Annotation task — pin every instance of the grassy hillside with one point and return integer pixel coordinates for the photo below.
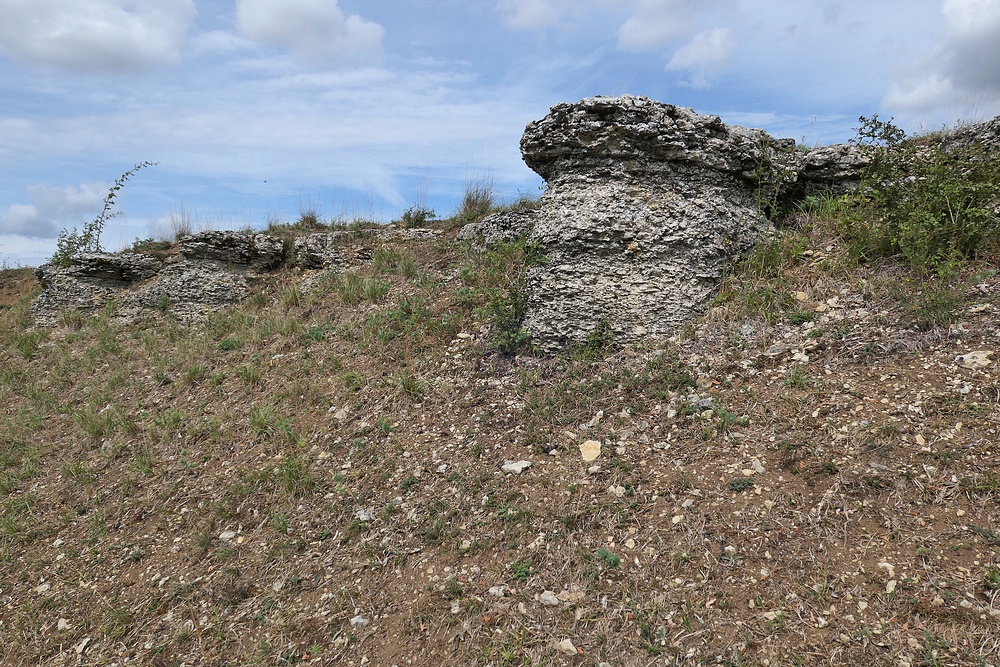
(806, 475)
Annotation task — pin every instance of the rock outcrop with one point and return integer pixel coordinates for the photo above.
(647, 205)
(204, 273)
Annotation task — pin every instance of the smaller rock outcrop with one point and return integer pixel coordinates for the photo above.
(205, 272)
(210, 270)
(497, 228)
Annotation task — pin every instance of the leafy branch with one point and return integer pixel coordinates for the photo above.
(71, 242)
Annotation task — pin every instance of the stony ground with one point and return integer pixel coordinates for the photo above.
(805, 476)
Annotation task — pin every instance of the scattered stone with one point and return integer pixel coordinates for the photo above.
(63, 624)
(364, 514)
(704, 405)
(227, 535)
(516, 467)
(360, 621)
(566, 647)
(82, 646)
(549, 599)
(590, 450)
(975, 360)
(43, 588)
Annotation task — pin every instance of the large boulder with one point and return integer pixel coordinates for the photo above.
(647, 205)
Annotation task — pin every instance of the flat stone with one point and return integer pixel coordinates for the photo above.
(977, 359)
(516, 467)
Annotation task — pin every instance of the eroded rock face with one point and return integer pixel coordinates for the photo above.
(208, 271)
(212, 270)
(647, 204)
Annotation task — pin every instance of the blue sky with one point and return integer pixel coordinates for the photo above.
(258, 109)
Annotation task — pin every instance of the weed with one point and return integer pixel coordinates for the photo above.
(410, 385)
(991, 580)
(71, 242)
(522, 570)
(795, 377)
(416, 216)
(740, 484)
(78, 472)
(230, 344)
(609, 558)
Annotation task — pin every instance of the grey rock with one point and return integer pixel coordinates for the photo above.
(213, 270)
(499, 228)
(985, 134)
(830, 170)
(234, 249)
(316, 251)
(190, 291)
(647, 205)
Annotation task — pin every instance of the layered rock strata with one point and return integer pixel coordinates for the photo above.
(202, 274)
(646, 206)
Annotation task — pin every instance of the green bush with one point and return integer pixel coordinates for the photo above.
(934, 206)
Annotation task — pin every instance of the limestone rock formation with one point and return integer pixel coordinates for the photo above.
(207, 271)
(647, 205)
(211, 270)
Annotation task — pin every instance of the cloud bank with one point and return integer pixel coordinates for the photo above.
(316, 30)
(111, 36)
(51, 209)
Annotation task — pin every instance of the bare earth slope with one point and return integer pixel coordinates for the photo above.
(806, 475)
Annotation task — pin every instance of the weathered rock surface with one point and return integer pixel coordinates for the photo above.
(212, 270)
(209, 271)
(647, 204)
(499, 228)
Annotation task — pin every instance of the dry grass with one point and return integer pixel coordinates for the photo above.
(314, 478)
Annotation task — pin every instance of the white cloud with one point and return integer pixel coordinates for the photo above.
(532, 14)
(654, 24)
(705, 56)
(310, 29)
(972, 46)
(961, 77)
(51, 209)
(96, 35)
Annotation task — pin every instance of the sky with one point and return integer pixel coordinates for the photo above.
(258, 110)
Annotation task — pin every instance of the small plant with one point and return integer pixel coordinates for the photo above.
(992, 579)
(599, 342)
(230, 344)
(416, 216)
(795, 377)
(71, 242)
(521, 570)
(740, 484)
(609, 558)
(411, 385)
(309, 220)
